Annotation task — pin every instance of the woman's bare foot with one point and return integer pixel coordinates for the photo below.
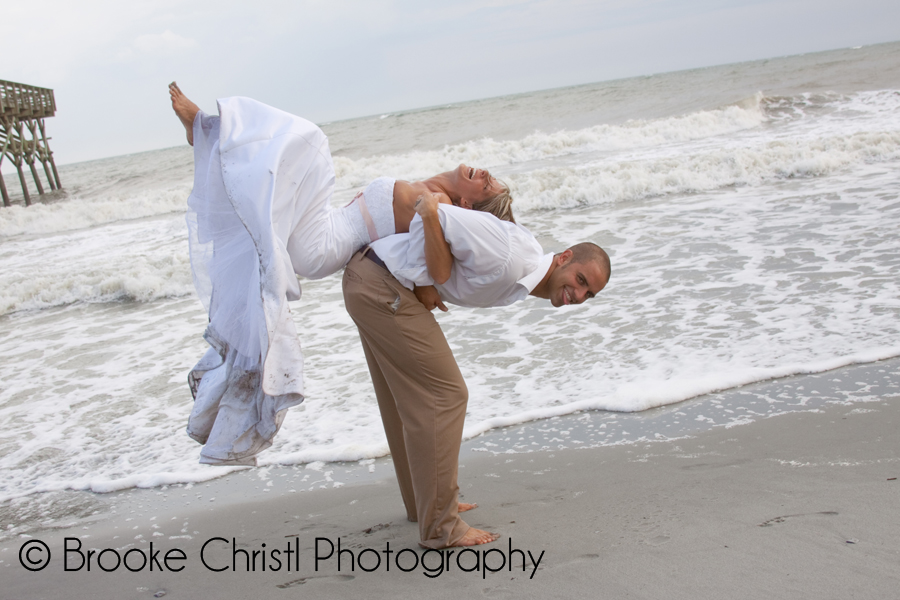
(185, 109)
(476, 537)
(464, 506)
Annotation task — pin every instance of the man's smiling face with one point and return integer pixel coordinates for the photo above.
(573, 282)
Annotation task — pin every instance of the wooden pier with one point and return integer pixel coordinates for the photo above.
(23, 137)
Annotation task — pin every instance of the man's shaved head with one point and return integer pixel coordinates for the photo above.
(591, 252)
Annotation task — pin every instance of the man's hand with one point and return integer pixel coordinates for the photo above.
(429, 296)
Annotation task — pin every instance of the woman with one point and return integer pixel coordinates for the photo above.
(258, 215)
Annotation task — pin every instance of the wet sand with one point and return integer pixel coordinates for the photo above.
(800, 505)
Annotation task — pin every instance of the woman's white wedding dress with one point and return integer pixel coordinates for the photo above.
(260, 213)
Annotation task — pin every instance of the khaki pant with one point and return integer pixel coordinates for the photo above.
(421, 395)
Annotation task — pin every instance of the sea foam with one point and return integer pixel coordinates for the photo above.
(139, 261)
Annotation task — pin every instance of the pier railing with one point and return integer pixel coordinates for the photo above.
(23, 136)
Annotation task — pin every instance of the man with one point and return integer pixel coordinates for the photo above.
(472, 259)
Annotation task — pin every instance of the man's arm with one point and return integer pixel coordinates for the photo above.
(488, 256)
(438, 258)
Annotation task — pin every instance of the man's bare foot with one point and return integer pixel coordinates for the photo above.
(464, 506)
(185, 109)
(476, 537)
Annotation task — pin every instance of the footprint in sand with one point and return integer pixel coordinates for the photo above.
(376, 528)
(658, 540)
(496, 592)
(782, 519)
(302, 580)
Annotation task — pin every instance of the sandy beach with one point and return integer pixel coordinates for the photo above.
(800, 505)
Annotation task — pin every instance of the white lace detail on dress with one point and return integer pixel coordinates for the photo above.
(380, 203)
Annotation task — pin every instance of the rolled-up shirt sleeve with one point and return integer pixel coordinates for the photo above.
(480, 248)
(490, 256)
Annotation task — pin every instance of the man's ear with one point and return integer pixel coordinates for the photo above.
(564, 257)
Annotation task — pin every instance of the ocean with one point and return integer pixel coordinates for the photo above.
(751, 212)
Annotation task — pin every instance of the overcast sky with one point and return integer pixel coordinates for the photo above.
(109, 61)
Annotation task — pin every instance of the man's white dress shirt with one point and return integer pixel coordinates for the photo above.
(495, 263)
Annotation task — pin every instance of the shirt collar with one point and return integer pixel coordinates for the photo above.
(531, 280)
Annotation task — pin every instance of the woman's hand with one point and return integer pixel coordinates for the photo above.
(429, 296)
(442, 198)
(427, 205)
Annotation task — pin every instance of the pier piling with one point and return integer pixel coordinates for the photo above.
(23, 136)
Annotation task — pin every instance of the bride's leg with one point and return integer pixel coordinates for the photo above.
(322, 239)
(185, 109)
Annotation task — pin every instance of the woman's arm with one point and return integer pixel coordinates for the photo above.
(437, 251)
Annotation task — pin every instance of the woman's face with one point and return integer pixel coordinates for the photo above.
(476, 185)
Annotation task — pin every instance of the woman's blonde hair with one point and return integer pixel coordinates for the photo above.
(500, 205)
